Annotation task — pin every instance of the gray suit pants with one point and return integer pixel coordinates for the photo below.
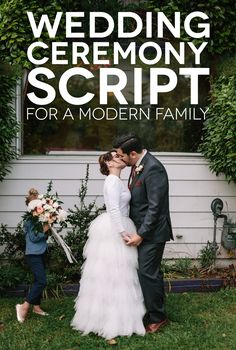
(151, 280)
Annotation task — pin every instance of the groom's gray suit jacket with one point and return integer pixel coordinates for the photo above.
(149, 206)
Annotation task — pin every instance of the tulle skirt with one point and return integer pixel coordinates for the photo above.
(110, 301)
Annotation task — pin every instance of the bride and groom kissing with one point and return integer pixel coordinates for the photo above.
(121, 287)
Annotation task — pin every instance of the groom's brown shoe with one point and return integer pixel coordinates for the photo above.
(155, 327)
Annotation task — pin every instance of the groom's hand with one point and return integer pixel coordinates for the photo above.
(134, 240)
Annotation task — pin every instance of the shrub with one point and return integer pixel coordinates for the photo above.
(79, 218)
(182, 265)
(8, 123)
(207, 256)
(13, 244)
(10, 276)
(219, 141)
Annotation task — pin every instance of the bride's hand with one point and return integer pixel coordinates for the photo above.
(126, 237)
(134, 240)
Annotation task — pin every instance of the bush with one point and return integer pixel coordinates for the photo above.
(219, 141)
(207, 256)
(8, 123)
(79, 218)
(13, 244)
(182, 265)
(10, 276)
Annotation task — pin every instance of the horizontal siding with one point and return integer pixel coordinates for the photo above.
(192, 189)
(67, 186)
(178, 204)
(76, 170)
(179, 220)
(193, 251)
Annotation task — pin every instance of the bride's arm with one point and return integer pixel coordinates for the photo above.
(112, 193)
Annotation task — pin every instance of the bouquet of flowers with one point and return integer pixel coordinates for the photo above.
(47, 209)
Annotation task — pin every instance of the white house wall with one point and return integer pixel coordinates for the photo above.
(192, 189)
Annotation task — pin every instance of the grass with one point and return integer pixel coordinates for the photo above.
(198, 321)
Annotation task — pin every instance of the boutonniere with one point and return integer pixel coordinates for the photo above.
(139, 169)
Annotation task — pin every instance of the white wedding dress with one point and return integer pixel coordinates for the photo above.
(110, 301)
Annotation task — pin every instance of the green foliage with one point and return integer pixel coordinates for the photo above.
(79, 218)
(16, 34)
(8, 123)
(182, 265)
(109, 6)
(13, 244)
(219, 132)
(54, 286)
(15, 31)
(222, 20)
(11, 275)
(226, 65)
(207, 256)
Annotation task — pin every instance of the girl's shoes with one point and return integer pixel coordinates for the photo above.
(41, 313)
(19, 315)
(21, 318)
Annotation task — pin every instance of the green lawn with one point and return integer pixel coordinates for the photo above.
(197, 321)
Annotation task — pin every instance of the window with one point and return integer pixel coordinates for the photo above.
(171, 126)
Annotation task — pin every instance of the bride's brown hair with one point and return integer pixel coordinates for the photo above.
(103, 159)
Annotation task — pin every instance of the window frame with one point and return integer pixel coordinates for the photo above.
(20, 135)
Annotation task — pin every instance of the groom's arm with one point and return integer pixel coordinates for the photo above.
(156, 183)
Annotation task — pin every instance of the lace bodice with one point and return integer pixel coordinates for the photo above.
(116, 198)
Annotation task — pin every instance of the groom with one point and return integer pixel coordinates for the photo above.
(149, 209)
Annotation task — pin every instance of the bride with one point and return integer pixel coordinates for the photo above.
(110, 301)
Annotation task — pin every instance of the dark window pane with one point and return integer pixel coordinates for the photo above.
(171, 126)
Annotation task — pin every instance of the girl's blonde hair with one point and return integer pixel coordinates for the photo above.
(32, 194)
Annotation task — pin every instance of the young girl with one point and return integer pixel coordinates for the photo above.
(35, 251)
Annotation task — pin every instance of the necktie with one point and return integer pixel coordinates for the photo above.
(132, 174)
